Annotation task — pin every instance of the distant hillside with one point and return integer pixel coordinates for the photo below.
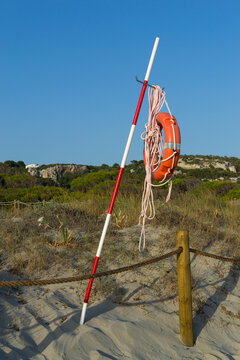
(209, 167)
(67, 181)
(199, 166)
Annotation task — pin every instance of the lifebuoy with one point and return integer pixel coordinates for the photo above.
(172, 144)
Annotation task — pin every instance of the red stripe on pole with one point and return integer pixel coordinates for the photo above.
(139, 103)
(115, 190)
(95, 264)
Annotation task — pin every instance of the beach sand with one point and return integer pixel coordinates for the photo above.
(43, 322)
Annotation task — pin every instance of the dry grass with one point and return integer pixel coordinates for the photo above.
(34, 248)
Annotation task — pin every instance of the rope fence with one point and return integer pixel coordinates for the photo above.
(184, 280)
(18, 202)
(114, 271)
(213, 256)
(16, 206)
(89, 276)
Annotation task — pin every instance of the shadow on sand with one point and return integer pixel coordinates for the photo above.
(208, 309)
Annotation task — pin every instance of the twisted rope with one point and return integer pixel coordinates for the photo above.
(112, 272)
(89, 276)
(213, 256)
(9, 203)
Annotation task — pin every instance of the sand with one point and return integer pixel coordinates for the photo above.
(43, 322)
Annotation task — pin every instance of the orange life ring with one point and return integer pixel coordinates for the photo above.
(171, 147)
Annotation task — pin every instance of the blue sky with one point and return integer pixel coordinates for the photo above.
(67, 76)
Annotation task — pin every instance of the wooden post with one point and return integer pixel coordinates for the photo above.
(184, 288)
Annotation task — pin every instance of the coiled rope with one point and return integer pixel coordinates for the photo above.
(154, 149)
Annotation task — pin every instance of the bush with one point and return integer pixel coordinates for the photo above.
(219, 188)
(12, 167)
(208, 173)
(104, 188)
(33, 194)
(23, 181)
(18, 180)
(88, 181)
(14, 164)
(233, 194)
(189, 184)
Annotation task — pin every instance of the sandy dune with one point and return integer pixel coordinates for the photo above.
(43, 322)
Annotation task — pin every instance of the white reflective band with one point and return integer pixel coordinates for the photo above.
(84, 308)
(152, 59)
(103, 235)
(130, 136)
(171, 146)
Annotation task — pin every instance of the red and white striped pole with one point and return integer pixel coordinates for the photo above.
(101, 242)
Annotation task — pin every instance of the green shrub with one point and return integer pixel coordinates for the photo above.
(66, 180)
(14, 164)
(177, 182)
(219, 188)
(103, 188)
(86, 182)
(18, 180)
(33, 194)
(233, 194)
(187, 184)
(12, 167)
(208, 173)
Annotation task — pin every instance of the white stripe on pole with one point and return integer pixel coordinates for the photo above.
(83, 313)
(99, 250)
(152, 59)
(124, 159)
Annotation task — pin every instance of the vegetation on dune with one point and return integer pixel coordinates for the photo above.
(16, 181)
(58, 233)
(233, 194)
(62, 234)
(12, 167)
(33, 194)
(86, 182)
(218, 188)
(16, 184)
(210, 173)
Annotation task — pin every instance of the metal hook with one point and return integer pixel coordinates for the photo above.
(154, 87)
